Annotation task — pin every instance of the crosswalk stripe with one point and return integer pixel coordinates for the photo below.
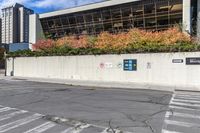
(5, 109)
(167, 131)
(7, 116)
(15, 124)
(180, 123)
(41, 128)
(77, 129)
(187, 98)
(184, 108)
(188, 95)
(185, 104)
(107, 130)
(188, 101)
(184, 115)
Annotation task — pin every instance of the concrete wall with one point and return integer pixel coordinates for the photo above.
(151, 68)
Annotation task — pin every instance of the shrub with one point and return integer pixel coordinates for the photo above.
(44, 44)
(134, 41)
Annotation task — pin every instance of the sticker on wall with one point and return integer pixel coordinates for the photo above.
(119, 65)
(101, 65)
(148, 65)
(130, 65)
(108, 65)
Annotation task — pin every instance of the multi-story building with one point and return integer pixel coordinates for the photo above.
(117, 16)
(15, 24)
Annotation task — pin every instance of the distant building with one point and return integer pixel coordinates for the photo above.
(120, 15)
(15, 24)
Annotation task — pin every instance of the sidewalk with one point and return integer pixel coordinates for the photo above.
(115, 85)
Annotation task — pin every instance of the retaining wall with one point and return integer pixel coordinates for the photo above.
(161, 69)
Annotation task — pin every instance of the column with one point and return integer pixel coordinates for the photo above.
(187, 16)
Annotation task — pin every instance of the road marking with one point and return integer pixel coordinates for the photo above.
(41, 128)
(67, 130)
(187, 95)
(184, 100)
(167, 131)
(185, 108)
(108, 130)
(189, 98)
(7, 116)
(184, 115)
(185, 104)
(15, 124)
(76, 129)
(179, 123)
(5, 109)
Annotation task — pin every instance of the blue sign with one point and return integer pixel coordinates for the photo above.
(130, 65)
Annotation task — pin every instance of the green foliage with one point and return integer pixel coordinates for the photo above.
(134, 48)
(2, 50)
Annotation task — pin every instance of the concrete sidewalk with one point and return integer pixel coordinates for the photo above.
(117, 85)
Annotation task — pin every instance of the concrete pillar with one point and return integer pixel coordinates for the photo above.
(187, 16)
(35, 30)
(198, 19)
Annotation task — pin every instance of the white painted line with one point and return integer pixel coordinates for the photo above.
(105, 131)
(187, 95)
(185, 104)
(110, 131)
(67, 130)
(184, 115)
(76, 129)
(167, 131)
(5, 109)
(182, 124)
(15, 124)
(187, 98)
(8, 116)
(41, 128)
(183, 108)
(187, 101)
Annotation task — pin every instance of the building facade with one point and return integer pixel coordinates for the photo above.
(119, 16)
(15, 24)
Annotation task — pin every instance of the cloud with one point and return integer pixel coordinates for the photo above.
(44, 4)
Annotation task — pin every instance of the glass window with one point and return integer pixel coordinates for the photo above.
(126, 12)
(97, 17)
(116, 14)
(57, 22)
(88, 18)
(80, 19)
(106, 15)
(64, 21)
(72, 20)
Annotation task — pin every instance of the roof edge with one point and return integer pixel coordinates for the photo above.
(85, 8)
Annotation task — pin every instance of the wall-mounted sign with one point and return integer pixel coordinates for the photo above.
(177, 61)
(193, 61)
(130, 65)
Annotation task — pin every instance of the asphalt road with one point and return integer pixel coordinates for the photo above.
(138, 111)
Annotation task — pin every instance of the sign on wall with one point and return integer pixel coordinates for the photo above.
(177, 61)
(193, 61)
(130, 65)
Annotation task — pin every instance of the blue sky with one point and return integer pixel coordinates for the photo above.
(41, 6)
